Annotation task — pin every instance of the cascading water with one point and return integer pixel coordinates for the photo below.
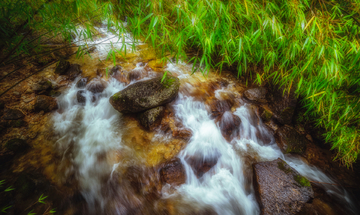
(89, 132)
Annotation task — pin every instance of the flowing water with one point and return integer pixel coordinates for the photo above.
(98, 144)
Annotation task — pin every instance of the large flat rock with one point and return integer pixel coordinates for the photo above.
(279, 188)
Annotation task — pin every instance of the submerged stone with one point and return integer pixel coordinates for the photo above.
(145, 95)
(290, 141)
(152, 117)
(279, 188)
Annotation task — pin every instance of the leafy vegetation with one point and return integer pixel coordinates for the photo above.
(312, 45)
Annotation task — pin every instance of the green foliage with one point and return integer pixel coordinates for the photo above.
(167, 81)
(311, 44)
(41, 199)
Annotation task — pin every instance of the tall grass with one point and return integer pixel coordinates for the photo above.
(312, 44)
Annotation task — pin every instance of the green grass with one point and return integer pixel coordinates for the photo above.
(311, 44)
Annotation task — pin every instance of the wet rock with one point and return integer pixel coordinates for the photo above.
(218, 107)
(54, 93)
(182, 133)
(13, 114)
(16, 145)
(229, 125)
(279, 188)
(201, 165)
(264, 114)
(173, 173)
(73, 71)
(62, 67)
(145, 95)
(80, 96)
(82, 83)
(290, 141)
(45, 103)
(41, 86)
(152, 117)
(96, 86)
(317, 207)
(282, 104)
(134, 75)
(256, 94)
(115, 69)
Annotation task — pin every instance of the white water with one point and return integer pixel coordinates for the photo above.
(88, 132)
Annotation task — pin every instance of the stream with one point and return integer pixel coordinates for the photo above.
(97, 144)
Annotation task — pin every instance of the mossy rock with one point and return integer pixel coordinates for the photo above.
(290, 141)
(145, 95)
(151, 118)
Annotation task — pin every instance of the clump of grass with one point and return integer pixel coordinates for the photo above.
(311, 44)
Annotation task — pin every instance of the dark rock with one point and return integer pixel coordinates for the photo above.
(256, 94)
(13, 114)
(17, 123)
(80, 96)
(290, 141)
(2, 105)
(96, 86)
(229, 125)
(73, 71)
(16, 145)
(264, 114)
(282, 104)
(279, 188)
(82, 83)
(62, 67)
(41, 86)
(25, 185)
(218, 107)
(145, 95)
(317, 207)
(45, 103)
(4, 125)
(173, 173)
(54, 93)
(152, 117)
(134, 75)
(201, 165)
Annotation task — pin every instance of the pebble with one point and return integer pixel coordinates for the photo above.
(28, 100)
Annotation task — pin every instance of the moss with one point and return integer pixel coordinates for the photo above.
(281, 166)
(266, 115)
(302, 180)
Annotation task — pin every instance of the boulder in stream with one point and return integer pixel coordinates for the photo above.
(82, 83)
(13, 114)
(201, 165)
(152, 117)
(73, 71)
(145, 95)
(173, 173)
(45, 103)
(62, 67)
(229, 125)
(290, 141)
(80, 96)
(41, 86)
(256, 94)
(279, 188)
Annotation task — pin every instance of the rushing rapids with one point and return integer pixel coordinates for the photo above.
(98, 145)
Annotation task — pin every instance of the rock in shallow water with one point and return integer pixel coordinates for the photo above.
(152, 117)
(256, 94)
(173, 173)
(45, 103)
(62, 67)
(279, 188)
(145, 95)
(290, 141)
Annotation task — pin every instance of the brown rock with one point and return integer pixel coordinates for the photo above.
(82, 83)
(80, 96)
(96, 86)
(145, 95)
(135, 75)
(151, 118)
(45, 103)
(229, 125)
(290, 141)
(279, 188)
(218, 107)
(317, 207)
(256, 94)
(182, 133)
(13, 114)
(173, 173)
(62, 67)
(144, 181)
(73, 71)
(41, 86)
